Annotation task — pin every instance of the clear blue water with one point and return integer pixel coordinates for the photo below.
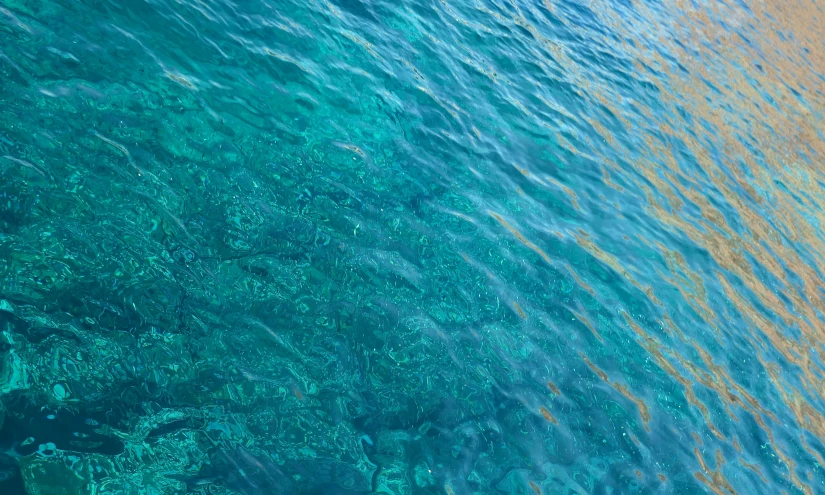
(417, 247)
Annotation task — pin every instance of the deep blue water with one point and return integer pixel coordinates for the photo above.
(415, 247)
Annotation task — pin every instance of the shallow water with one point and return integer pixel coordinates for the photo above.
(343, 247)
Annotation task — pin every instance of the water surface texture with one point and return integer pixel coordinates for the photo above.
(411, 247)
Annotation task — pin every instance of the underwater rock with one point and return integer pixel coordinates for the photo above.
(394, 479)
(50, 474)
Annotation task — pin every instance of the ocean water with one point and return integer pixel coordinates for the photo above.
(416, 247)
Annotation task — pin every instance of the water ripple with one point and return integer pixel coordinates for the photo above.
(432, 247)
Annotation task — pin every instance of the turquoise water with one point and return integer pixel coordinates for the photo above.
(419, 247)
